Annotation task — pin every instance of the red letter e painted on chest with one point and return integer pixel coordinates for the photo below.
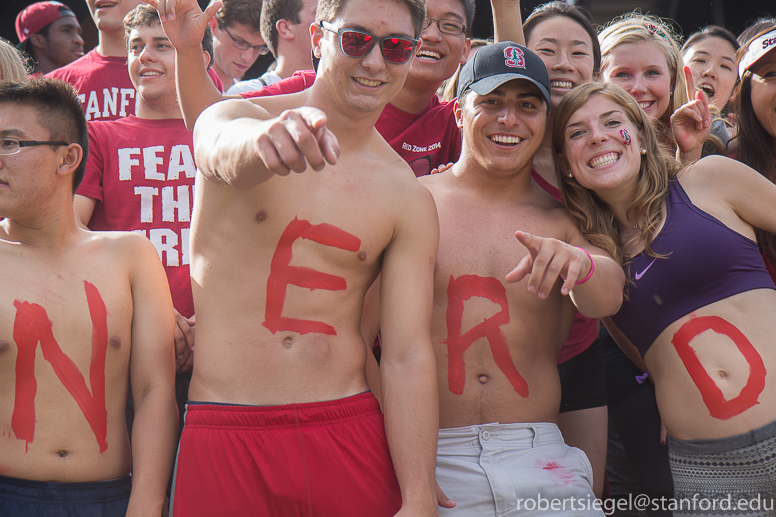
(458, 291)
(282, 274)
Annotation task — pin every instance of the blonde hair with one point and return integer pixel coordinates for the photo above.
(12, 65)
(636, 27)
(594, 217)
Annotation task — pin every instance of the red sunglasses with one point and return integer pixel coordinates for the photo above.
(358, 44)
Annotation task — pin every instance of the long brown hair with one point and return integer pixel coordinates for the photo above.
(594, 217)
(753, 145)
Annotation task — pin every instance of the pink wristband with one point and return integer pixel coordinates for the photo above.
(592, 268)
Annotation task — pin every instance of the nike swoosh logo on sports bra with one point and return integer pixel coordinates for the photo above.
(639, 275)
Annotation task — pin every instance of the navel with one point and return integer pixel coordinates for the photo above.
(483, 379)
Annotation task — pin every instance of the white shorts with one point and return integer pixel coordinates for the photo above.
(513, 469)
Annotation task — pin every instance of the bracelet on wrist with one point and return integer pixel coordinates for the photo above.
(592, 268)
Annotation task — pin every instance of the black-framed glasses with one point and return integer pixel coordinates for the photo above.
(451, 27)
(14, 145)
(358, 44)
(241, 44)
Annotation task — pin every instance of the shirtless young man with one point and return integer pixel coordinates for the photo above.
(496, 342)
(419, 127)
(98, 306)
(281, 262)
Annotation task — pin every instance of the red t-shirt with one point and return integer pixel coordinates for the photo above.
(141, 172)
(583, 330)
(425, 140)
(104, 86)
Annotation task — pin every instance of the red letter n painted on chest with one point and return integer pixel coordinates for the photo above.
(282, 274)
(32, 326)
(458, 291)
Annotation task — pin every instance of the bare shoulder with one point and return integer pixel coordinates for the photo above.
(131, 248)
(711, 168)
(408, 199)
(434, 182)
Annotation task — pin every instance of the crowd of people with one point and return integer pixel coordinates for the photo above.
(403, 272)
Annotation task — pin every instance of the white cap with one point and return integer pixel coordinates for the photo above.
(757, 49)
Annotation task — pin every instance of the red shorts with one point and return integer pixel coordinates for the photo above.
(318, 459)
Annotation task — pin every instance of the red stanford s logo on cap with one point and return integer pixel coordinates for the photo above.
(514, 57)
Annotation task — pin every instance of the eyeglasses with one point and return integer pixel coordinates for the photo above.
(14, 145)
(451, 27)
(358, 44)
(261, 50)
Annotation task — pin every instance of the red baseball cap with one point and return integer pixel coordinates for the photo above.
(37, 16)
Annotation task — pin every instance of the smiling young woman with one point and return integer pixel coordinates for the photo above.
(640, 53)
(700, 299)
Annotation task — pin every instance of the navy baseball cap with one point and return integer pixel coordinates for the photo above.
(494, 65)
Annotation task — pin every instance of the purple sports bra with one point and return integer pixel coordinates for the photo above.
(705, 262)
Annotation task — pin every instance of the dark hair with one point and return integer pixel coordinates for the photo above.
(144, 16)
(710, 31)
(247, 12)
(577, 14)
(468, 9)
(272, 11)
(59, 111)
(753, 145)
(328, 9)
(755, 28)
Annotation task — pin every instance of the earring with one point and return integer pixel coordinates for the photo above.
(643, 152)
(571, 175)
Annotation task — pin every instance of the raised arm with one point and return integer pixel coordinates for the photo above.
(507, 21)
(691, 122)
(238, 143)
(408, 366)
(748, 193)
(152, 375)
(184, 23)
(592, 278)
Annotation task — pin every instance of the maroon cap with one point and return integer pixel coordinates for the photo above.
(37, 16)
